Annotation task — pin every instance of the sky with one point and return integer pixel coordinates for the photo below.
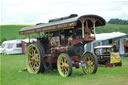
(40, 11)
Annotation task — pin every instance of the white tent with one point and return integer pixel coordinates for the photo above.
(104, 36)
(31, 40)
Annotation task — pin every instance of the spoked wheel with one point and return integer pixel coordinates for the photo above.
(34, 58)
(91, 63)
(64, 65)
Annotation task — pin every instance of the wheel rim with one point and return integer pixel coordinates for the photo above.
(88, 59)
(33, 59)
(63, 66)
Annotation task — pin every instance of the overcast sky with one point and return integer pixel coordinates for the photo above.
(37, 11)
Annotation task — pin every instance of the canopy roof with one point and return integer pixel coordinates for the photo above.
(61, 24)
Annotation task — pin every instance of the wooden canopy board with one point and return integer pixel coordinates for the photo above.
(62, 24)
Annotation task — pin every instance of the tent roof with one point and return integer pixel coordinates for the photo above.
(27, 40)
(15, 41)
(105, 36)
(104, 46)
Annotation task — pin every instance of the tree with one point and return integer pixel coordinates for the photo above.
(118, 21)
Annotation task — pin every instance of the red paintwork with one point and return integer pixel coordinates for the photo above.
(59, 50)
(75, 64)
(24, 45)
(87, 39)
(108, 64)
(75, 58)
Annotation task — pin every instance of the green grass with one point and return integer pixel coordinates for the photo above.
(11, 64)
(112, 28)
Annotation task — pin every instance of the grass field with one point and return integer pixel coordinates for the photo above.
(112, 28)
(11, 64)
(9, 32)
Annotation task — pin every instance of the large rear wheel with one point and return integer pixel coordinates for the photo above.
(34, 58)
(91, 63)
(64, 65)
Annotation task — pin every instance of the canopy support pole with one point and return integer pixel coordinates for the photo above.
(94, 30)
(29, 38)
(83, 30)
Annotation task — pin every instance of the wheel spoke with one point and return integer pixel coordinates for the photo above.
(65, 60)
(29, 54)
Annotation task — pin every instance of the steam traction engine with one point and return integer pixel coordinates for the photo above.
(62, 44)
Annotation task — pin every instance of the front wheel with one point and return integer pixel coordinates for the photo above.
(64, 65)
(34, 61)
(91, 63)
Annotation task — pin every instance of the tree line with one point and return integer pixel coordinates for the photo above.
(118, 21)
